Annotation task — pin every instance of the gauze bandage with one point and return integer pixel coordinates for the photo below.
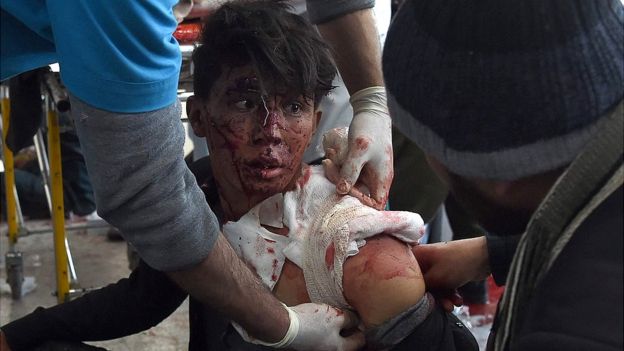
(324, 229)
(338, 228)
(329, 228)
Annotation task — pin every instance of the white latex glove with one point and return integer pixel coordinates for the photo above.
(369, 155)
(316, 326)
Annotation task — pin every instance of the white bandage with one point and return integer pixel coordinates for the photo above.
(326, 249)
(337, 232)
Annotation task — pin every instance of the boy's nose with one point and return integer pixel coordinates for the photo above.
(268, 128)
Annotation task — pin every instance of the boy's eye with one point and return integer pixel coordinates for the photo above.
(294, 108)
(245, 105)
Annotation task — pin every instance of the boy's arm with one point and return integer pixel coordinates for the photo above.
(131, 305)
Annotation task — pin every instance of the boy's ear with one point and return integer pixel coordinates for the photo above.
(194, 113)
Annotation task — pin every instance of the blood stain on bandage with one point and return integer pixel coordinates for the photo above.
(270, 250)
(303, 180)
(329, 256)
(274, 274)
(361, 144)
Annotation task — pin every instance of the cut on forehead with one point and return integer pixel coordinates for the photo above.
(245, 80)
(284, 50)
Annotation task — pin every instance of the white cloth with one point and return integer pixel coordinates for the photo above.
(316, 218)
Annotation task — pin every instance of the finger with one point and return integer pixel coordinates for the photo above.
(446, 305)
(364, 199)
(331, 154)
(381, 188)
(349, 173)
(353, 342)
(331, 171)
(349, 319)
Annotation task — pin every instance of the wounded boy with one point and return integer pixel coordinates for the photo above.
(259, 76)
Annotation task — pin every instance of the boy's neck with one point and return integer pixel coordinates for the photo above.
(236, 203)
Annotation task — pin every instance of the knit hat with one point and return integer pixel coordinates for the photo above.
(503, 89)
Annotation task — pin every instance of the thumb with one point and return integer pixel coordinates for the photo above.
(349, 173)
(350, 320)
(380, 189)
(351, 337)
(353, 342)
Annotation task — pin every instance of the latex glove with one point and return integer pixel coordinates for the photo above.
(336, 145)
(369, 155)
(182, 9)
(316, 326)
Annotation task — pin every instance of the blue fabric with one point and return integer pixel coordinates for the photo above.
(116, 55)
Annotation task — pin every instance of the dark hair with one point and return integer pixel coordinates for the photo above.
(285, 50)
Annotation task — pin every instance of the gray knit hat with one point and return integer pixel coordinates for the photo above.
(503, 89)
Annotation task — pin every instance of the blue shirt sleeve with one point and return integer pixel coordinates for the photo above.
(116, 55)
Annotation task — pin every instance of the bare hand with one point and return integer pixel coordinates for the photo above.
(447, 266)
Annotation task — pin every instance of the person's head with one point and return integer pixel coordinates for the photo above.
(502, 95)
(259, 75)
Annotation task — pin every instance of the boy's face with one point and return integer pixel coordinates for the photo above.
(256, 143)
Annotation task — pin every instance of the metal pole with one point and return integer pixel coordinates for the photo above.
(14, 260)
(9, 171)
(58, 213)
(42, 159)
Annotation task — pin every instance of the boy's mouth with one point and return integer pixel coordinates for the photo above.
(266, 167)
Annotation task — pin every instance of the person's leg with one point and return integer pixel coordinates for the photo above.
(31, 194)
(78, 189)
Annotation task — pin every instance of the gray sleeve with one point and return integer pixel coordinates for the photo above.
(320, 11)
(142, 185)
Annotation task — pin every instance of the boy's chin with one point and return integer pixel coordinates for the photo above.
(266, 188)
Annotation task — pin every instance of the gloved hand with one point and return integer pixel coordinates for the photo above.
(316, 326)
(336, 144)
(369, 155)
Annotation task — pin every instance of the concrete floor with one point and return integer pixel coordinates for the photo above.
(98, 262)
